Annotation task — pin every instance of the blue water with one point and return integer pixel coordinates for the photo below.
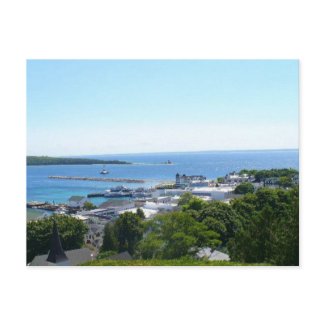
(149, 167)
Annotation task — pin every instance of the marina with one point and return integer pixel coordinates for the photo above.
(145, 168)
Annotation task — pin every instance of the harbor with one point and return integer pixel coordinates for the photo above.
(154, 176)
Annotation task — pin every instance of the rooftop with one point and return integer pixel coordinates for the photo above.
(115, 203)
(148, 213)
(76, 198)
(75, 257)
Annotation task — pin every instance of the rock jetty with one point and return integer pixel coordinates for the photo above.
(99, 179)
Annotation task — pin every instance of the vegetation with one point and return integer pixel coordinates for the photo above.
(261, 175)
(185, 198)
(220, 218)
(124, 234)
(39, 233)
(270, 228)
(285, 182)
(244, 188)
(260, 227)
(175, 235)
(193, 203)
(140, 213)
(44, 160)
(89, 206)
(175, 262)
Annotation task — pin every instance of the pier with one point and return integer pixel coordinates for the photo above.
(98, 179)
(45, 206)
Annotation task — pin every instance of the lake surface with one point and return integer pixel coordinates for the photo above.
(151, 168)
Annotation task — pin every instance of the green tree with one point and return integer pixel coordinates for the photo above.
(220, 180)
(140, 213)
(244, 188)
(285, 182)
(89, 206)
(39, 233)
(129, 230)
(150, 247)
(220, 217)
(194, 203)
(174, 235)
(110, 242)
(185, 198)
(271, 233)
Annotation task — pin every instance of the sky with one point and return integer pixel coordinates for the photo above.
(88, 107)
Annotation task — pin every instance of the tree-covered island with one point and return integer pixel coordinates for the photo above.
(45, 160)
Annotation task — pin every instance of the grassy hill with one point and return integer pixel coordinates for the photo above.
(179, 262)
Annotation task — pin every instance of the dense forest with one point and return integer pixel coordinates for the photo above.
(44, 160)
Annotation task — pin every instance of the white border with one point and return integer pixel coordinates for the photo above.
(161, 29)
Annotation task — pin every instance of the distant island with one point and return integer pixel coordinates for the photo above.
(44, 160)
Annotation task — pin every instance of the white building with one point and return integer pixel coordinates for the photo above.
(167, 192)
(160, 206)
(163, 199)
(77, 201)
(148, 213)
(183, 181)
(203, 183)
(234, 178)
(216, 193)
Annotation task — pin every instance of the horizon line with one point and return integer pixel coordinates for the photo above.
(167, 152)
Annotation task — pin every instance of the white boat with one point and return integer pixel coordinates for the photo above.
(104, 171)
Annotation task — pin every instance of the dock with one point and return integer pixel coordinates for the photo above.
(51, 207)
(98, 179)
(98, 194)
(45, 206)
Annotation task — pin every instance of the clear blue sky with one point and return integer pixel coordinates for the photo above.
(77, 107)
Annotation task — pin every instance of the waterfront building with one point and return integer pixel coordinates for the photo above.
(184, 180)
(117, 205)
(202, 183)
(234, 178)
(215, 193)
(111, 208)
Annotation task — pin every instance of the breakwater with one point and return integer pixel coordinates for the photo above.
(99, 179)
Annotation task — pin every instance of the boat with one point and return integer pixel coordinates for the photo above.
(104, 171)
(168, 162)
(109, 193)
